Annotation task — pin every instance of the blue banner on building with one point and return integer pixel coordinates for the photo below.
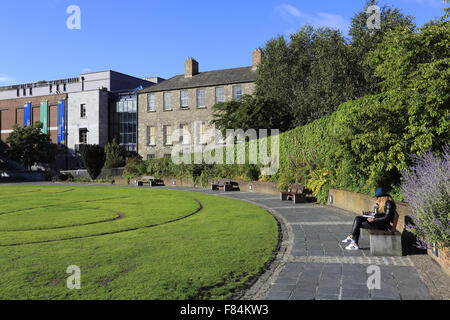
(27, 114)
(62, 122)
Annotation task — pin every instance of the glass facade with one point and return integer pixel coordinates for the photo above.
(123, 120)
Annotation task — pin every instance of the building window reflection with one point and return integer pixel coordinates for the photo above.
(123, 120)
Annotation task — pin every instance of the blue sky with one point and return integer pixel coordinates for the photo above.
(153, 37)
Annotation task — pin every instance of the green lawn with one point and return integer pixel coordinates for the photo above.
(129, 243)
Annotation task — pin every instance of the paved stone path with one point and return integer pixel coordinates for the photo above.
(316, 264)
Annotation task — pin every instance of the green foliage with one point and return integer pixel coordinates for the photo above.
(134, 168)
(426, 187)
(251, 113)
(310, 75)
(115, 155)
(29, 146)
(414, 68)
(318, 70)
(367, 142)
(199, 173)
(319, 184)
(365, 41)
(93, 157)
(274, 78)
(3, 148)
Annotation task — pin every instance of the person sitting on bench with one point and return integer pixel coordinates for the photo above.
(381, 220)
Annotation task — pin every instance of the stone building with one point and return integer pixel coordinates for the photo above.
(175, 109)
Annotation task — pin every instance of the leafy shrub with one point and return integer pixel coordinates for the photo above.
(29, 146)
(93, 157)
(62, 177)
(426, 188)
(319, 184)
(3, 148)
(134, 168)
(115, 155)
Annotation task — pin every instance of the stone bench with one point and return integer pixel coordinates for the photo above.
(225, 184)
(384, 243)
(151, 181)
(296, 193)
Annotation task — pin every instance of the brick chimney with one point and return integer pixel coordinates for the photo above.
(257, 54)
(190, 68)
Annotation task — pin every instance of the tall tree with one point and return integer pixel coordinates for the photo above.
(29, 146)
(364, 41)
(413, 66)
(250, 113)
(116, 155)
(274, 78)
(310, 75)
(325, 78)
(93, 157)
(318, 69)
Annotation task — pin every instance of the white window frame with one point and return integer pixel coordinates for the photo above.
(184, 99)
(184, 134)
(151, 138)
(167, 141)
(167, 101)
(201, 103)
(151, 102)
(237, 97)
(202, 136)
(223, 94)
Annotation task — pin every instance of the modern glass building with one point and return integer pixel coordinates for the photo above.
(123, 118)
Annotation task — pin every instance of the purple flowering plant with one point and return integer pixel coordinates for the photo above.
(426, 188)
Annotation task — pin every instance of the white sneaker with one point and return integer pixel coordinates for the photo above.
(348, 240)
(352, 246)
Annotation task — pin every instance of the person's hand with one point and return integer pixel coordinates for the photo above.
(370, 220)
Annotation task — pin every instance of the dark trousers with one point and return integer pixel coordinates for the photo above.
(361, 222)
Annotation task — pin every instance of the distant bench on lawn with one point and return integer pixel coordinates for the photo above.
(151, 181)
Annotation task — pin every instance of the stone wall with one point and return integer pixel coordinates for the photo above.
(442, 256)
(245, 186)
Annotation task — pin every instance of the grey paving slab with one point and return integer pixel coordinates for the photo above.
(282, 287)
(328, 291)
(279, 295)
(320, 296)
(308, 293)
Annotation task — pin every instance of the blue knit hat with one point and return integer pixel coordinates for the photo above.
(380, 192)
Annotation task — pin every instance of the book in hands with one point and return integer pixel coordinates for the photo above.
(367, 214)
